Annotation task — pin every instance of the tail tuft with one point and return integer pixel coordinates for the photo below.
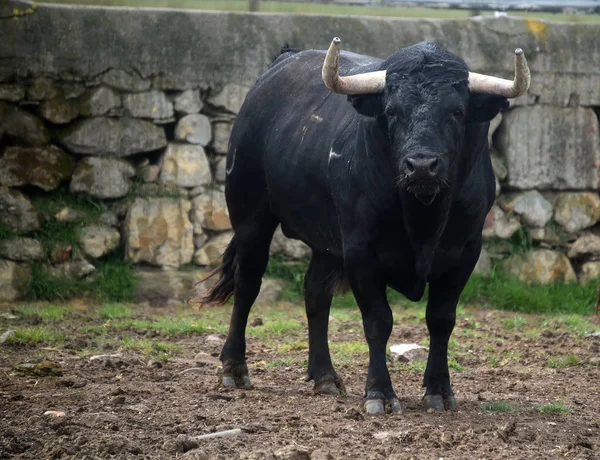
(222, 291)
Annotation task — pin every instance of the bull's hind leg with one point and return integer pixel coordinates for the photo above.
(317, 296)
(252, 241)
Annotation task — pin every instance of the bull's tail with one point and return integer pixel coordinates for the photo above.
(222, 290)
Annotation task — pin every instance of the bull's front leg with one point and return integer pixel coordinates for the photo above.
(368, 287)
(444, 293)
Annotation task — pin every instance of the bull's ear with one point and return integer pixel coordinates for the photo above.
(369, 105)
(484, 107)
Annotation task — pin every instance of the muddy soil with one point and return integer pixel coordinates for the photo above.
(130, 406)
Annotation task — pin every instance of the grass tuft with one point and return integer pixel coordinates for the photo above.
(115, 310)
(553, 408)
(48, 312)
(565, 361)
(498, 406)
(35, 336)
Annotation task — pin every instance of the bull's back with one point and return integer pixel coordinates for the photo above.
(279, 147)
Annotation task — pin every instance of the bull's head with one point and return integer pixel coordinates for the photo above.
(425, 109)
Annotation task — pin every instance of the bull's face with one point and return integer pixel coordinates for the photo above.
(425, 125)
(424, 101)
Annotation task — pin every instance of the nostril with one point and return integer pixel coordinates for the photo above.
(433, 166)
(410, 165)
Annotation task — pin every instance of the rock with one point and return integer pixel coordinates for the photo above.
(58, 111)
(221, 134)
(157, 189)
(270, 292)
(150, 173)
(210, 211)
(24, 127)
(42, 369)
(188, 102)
(11, 92)
(97, 240)
(41, 89)
(592, 334)
(212, 251)
(498, 187)
(546, 235)
(151, 104)
(499, 167)
(185, 166)
(321, 454)
(494, 124)
(195, 129)
(72, 90)
(577, 211)
(230, 98)
(44, 167)
(54, 413)
(586, 245)
(484, 264)
(124, 81)
(107, 136)
(159, 287)
(499, 225)
(295, 249)
(292, 453)
(17, 212)
(199, 237)
(221, 169)
(532, 207)
(158, 231)
(98, 101)
(408, 352)
(589, 271)
(109, 218)
(77, 269)
(551, 147)
(541, 266)
(196, 454)
(104, 178)
(8, 334)
(154, 363)
(193, 193)
(70, 215)
(21, 249)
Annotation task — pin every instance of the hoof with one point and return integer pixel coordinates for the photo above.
(333, 387)
(439, 403)
(379, 406)
(242, 382)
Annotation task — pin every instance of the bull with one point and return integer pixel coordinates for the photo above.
(385, 173)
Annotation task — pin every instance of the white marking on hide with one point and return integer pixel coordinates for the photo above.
(316, 118)
(333, 155)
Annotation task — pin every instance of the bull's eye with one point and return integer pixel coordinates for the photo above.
(459, 113)
(390, 112)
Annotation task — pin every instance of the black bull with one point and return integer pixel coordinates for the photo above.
(389, 186)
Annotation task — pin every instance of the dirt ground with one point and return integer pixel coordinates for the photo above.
(526, 387)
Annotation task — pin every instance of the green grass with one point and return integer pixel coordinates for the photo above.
(113, 280)
(515, 322)
(115, 311)
(499, 406)
(47, 312)
(315, 8)
(553, 408)
(506, 293)
(35, 336)
(562, 362)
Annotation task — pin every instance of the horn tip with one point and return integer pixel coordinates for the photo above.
(519, 51)
(336, 40)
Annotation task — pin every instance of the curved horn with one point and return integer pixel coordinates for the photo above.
(364, 83)
(487, 84)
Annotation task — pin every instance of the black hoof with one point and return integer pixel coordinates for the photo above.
(440, 403)
(331, 386)
(382, 406)
(235, 375)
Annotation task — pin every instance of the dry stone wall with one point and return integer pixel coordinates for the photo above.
(120, 118)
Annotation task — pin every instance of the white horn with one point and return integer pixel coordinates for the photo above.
(481, 83)
(364, 83)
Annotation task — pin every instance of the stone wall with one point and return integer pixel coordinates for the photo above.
(121, 118)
